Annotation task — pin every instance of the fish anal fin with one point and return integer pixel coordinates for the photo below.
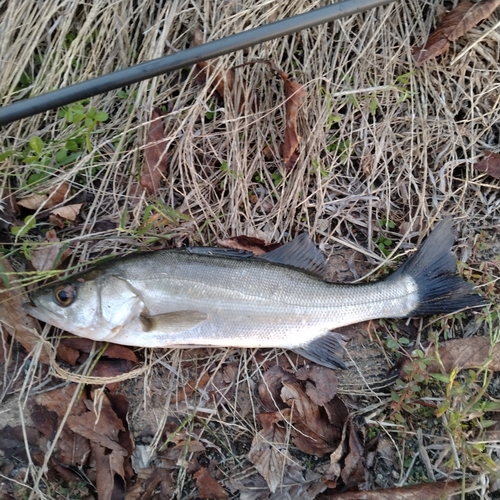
(300, 253)
(327, 350)
(172, 322)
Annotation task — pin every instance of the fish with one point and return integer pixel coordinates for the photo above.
(219, 297)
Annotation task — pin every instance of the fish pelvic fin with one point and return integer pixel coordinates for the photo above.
(433, 268)
(327, 350)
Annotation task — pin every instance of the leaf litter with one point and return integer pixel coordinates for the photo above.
(490, 164)
(454, 24)
(155, 160)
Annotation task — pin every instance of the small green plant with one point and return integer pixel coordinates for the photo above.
(44, 158)
(29, 224)
(401, 84)
(383, 243)
(341, 147)
(317, 167)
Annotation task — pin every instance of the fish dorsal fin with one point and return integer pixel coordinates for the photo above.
(301, 253)
(218, 252)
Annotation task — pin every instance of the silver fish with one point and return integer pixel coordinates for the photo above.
(204, 296)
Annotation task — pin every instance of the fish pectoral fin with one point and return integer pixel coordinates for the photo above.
(173, 322)
(327, 350)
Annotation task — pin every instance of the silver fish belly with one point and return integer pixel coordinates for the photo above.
(217, 297)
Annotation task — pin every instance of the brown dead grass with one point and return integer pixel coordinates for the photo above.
(381, 140)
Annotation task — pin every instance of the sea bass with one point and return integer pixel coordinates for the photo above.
(201, 296)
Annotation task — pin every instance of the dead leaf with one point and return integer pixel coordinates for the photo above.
(55, 196)
(454, 24)
(248, 244)
(192, 385)
(45, 256)
(102, 426)
(465, 354)
(58, 194)
(57, 221)
(44, 420)
(312, 432)
(270, 388)
(16, 322)
(353, 473)
(208, 487)
(294, 97)
(68, 212)
(155, 154)
(490, 164)
(114, 351)
(269, 452)
(223, 81)
(159, 478)
(429, 491)
(110, 483)
(294, 485)
(33, 201)
(321, 383)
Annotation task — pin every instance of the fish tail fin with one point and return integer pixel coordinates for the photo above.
(433, 268)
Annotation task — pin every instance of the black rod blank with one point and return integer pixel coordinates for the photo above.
(188, 57)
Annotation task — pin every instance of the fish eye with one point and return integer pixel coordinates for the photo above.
(65, 295)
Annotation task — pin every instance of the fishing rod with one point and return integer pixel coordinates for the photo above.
(188, 57)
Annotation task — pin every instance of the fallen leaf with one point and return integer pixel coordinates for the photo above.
(334, 471)
(15, 441)
(223, 81)
(45, 256)
(68, 212)
(23, 328)
(155, 154)
(321, 383)
(56, 195)
(353, 473)
(208, 487)
(192, 385)
(110, 483)
(159, 478)
(294, 485)
(490, 164)
(270, 387)
(114, 351)
(102, 426)
(454, 24)
(57, 221)
(222, 385)
(33, 201)
(256, 246)
(57, 400)
(429, 491)
(465, 354)
(294, 95)
(44, 420)
(312, 432)
(269, 451)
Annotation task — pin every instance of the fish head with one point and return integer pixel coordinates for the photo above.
(96, 309)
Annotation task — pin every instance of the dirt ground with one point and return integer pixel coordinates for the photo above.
(386, 149)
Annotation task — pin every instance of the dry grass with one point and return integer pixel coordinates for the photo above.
(381, 141)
